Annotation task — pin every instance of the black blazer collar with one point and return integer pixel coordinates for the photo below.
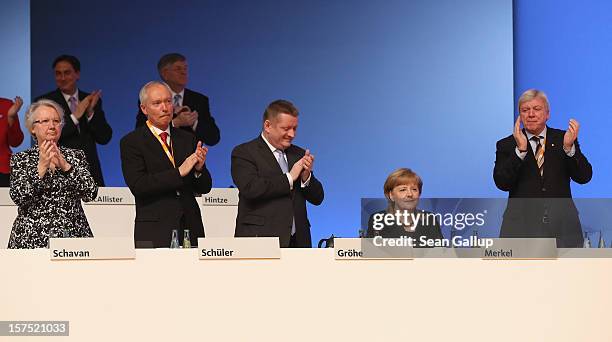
(269, 156)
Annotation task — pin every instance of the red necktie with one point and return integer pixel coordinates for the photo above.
(164, 138)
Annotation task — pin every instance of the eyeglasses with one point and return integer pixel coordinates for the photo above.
(49, 122)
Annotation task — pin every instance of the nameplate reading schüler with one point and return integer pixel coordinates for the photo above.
(91, 248)
(239, 248)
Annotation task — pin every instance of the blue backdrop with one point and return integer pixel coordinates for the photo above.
(564, 48)
(15, 66)
(420, 84)
(378, 85)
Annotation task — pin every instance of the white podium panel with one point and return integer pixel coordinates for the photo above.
(8, 213)
(168, 295)
(112, 213)
(219, 208)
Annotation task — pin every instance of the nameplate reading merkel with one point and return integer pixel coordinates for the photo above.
(239, 248)
(91, 248)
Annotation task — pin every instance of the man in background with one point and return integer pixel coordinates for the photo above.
(191, 109)
(85, 124)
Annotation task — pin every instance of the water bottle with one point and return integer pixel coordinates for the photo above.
(186, 239)
(587, 242)
(174, 242)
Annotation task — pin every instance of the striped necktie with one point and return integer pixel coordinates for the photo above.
(539, 153)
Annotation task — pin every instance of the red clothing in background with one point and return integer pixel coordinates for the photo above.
(9, 136)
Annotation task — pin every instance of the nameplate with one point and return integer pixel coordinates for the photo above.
(239, 248)
(113, 196)
(365, 249)
(347, 249)
(220, 197)
(91, 248)
(520, 248)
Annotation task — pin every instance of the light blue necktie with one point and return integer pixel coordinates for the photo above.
(73, 108)
(73, 104)
(280, 157)
(177, 100)
(282, 162)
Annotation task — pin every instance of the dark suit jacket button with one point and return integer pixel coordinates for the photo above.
(543, 189)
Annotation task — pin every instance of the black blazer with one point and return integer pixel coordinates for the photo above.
(206, 130)
(549, 210)
(266, 205)
(164, 200)
(96, 131)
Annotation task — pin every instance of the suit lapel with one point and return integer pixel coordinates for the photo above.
(181, 149)
(154, 146)
(552, 144)
(187, 99)
(267, 155)
(59, 98)
(530, 158)
(292, 156)
(83, 124)
(82, 95)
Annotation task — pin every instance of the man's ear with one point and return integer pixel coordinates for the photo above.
(143, 108)
(267, 124)
(163, 73)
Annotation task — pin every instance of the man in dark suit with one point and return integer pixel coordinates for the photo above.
(191, 109)
(85, 124)
(275, 179)
(535, 165)
(164, 169)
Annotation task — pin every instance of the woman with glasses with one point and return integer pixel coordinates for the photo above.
(48, 183)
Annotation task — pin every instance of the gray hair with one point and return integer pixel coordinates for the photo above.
(531, 94)
(143, 91)
(32, 112)
(169, 59)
